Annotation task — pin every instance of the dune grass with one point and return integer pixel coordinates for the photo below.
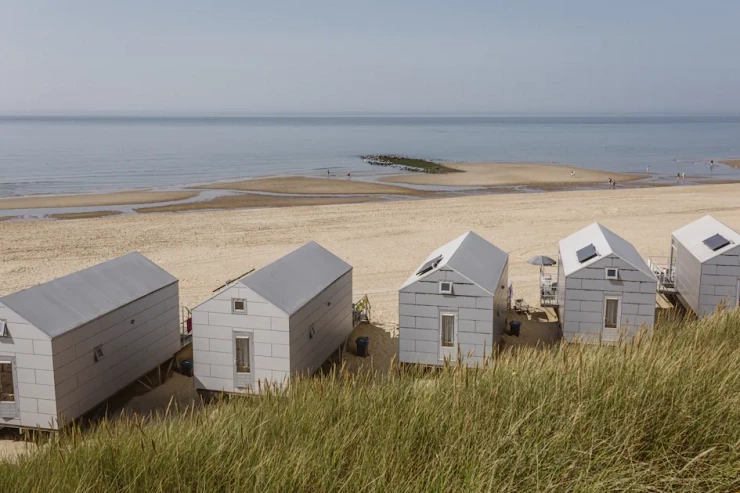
(654, 415)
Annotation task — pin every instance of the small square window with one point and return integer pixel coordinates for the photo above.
(445, 287)
(612, 273)
(98, 353)
(239, 306)
(4, 328)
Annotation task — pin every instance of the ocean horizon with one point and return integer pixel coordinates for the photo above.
(57, 154)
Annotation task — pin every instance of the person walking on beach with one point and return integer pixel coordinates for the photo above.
(610, 181)
(327, 174)
(683, 176)
(349, 175)
(678, 178)
(647, 170)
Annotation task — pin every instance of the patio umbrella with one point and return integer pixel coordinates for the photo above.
(541, 260)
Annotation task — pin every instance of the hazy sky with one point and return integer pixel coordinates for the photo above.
(402, 56)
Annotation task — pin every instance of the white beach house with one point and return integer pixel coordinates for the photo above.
(284, 319)
(69, 344)
(605, 288)
(705, 265)
(456, 301)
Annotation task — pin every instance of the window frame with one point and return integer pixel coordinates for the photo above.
(4, 360)
(615, 277)
(98, 349)
(618, 299)
(248, 338)
(448, 351)
(234, 301)
(442, 291)
(4, 332)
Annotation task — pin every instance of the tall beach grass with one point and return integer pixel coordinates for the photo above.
(654, 415)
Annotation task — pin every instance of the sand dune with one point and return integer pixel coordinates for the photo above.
(94, 200)
(508, 174)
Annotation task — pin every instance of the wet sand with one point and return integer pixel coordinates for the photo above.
(246, 200)
(734, 163)
(511, 174)
(85, 215)
(94, 200)
(315, 186)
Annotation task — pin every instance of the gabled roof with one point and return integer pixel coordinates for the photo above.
(606, 243)
(63, 304)
(472, 257)
(295, 279)
(692, 237)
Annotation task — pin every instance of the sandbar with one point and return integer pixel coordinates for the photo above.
(734, 163)
(85, 215)
(94, 200)
(247, 200)
(315, 186)
(511, 174)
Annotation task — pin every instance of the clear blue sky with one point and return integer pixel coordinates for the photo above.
(403, 56)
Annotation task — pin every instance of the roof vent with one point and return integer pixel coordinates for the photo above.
(716, 242)
(586, 253)
(429, 265)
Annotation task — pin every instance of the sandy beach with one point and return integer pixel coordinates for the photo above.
(384, 241)
(94, 200)
(735, 163)
(315, 186)
(510, 174)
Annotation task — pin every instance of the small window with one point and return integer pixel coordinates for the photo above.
(611, 313)
(4, 328)
(98, 353)
(311, 331)
(239, 306)
(612, 273)
(445, 287)
(242, 355)
(448, 330)
(7, 392)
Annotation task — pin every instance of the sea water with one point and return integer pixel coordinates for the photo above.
(86, 154)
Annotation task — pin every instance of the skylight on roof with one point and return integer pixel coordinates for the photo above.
(429, 265)
(716, 242)
(586, 253)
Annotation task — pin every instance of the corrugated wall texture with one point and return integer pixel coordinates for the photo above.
(719, 281)
(420, 305)
(30, 352)
(688, 277)
(134, 338)
(585, 291)
(214, 329)
(330, 314)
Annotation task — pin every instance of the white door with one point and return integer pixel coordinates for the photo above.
(448, 335)
(612, 315)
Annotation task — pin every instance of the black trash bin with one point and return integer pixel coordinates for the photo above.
(186, 367)
(363, 344)
(514, 327)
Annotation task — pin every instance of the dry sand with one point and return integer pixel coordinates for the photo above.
(93, 200)
(315, 186)
(735, 163)
(384, 241)
(510, 174)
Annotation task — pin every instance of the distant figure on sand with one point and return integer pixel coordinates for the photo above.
(327, 174)
(572, 173)
(610, 181)
(683, 176)
(678, 177)
(349, 175)
(647, 170)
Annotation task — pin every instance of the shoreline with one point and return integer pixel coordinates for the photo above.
(732, 163)
(513, 174)
(299, 191)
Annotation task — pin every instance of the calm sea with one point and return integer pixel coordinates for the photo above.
(84, 154)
